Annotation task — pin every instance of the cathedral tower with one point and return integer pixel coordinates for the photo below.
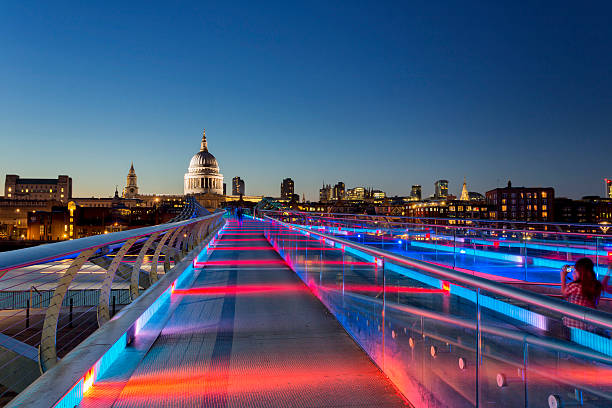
(131, 188)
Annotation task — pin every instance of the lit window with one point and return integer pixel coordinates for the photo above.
(10, 189)
(543, 194)
(544, 207)
(504, 208)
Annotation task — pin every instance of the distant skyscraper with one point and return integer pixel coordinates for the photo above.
(339, 191)
(415, 192)
(441, 189)
(465, 195)
(237, 186)
(287, 188)
(608, 188)
(131, 185)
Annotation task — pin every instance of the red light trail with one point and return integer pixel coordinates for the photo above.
(241, 289)
(238, 262)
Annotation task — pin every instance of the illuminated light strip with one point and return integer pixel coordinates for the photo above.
(592, 341)
(247, 268)
(315, 262)
(241, 233)
(489, 276)
(73, 397)
(315, 249)
(239, 289)
(537, 261)
(238, 262)
(232, 231)
(239, 248)
(544, 247)
(390, 289)
(469, 251)
(551, 263)
(300, 240)
(240, 239)
(507, 309)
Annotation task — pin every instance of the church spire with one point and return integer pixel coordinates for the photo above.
(204, 145)
(465, 196)
(132, 171)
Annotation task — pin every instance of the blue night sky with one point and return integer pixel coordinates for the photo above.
(372, 93)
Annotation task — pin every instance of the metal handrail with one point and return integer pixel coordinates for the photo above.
(53, 385)
(43, 253)
(344, 218)
(555, 305)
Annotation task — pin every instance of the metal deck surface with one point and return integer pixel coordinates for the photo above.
(248, 333)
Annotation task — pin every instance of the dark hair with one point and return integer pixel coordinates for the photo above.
(591, 287)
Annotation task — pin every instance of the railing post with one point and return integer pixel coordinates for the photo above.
(28, 310)
(71, 306)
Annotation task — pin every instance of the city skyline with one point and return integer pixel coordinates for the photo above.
(314, 191)
(379, 96)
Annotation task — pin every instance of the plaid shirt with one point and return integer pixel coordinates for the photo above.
(573, 294)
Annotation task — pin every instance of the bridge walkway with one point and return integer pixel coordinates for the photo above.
(248, 333)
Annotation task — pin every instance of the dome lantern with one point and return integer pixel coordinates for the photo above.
(204, 144)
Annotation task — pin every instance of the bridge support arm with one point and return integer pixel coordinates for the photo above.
(47, 351)
(103, 303)
(135, 278)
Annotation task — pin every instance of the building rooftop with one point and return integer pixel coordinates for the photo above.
(36, 181)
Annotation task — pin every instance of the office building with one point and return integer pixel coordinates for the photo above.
(415, 192)
(237, 186)
(287, 189)
(441, 189)
(357, 193)
(17, 188)
(339, 191)
(522, 203)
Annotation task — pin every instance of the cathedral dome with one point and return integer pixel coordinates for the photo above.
(203, 174)
(203, 159)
